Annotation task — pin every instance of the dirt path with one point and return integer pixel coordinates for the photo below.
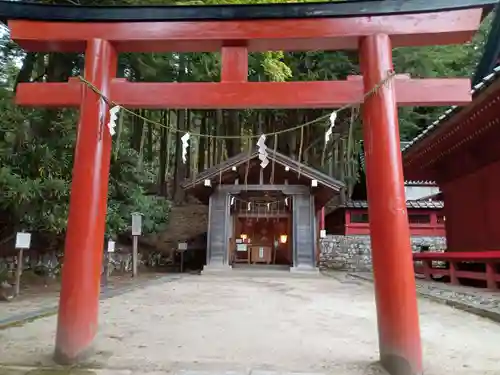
(36, 299)
(285, 324)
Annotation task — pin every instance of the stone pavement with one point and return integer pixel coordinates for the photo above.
(18, 370)
(481, 302)
(207, 325)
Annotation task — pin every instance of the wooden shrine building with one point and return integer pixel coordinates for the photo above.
(460, 152)
(263, 215)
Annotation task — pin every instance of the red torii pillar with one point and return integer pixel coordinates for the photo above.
(397, 310)
(79, 299)
(399, 337)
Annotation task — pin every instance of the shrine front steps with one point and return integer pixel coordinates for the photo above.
(259, 270)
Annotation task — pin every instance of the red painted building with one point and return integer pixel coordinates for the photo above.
(460, 151)
(426, 218)
(423, 202)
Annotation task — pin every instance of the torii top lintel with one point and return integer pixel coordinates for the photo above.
(267, 27)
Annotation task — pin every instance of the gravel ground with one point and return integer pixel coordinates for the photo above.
(475, 297)
(14, 308)
(284, 324)
(37, 300)
(487, 303)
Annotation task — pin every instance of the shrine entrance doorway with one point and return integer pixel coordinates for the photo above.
(262, 231)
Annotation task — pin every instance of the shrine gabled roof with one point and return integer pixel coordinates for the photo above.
(15, 10)
(279, 158)
(403, 145)
(452, 111)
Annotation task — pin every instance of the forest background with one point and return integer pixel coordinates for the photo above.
(37, 146)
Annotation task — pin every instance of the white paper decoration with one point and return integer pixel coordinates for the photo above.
(113, 116)
(329, 131)
(262, 151)
(185, 145)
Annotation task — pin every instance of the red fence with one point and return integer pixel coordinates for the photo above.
(455, 260)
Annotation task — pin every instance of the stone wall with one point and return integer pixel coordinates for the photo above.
(49, 265)
(353, 253)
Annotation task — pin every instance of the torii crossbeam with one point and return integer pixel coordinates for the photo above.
(372, 27)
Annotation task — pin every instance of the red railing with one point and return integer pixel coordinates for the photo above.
(489, 258)
(434, 227)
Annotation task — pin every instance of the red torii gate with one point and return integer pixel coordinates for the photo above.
(374, 36)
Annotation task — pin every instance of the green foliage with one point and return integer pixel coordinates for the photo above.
(127, 194)
(35, 183)
(36, 158)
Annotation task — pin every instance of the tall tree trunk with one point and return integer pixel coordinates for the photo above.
(219, 124)
(149, 153)
(170, 165)
(202, 146)
(26, 72)
(350, 159)
(233, 127)
(119, 130)
(162, 185)
(210, 146)
(292, 138)
(141, 144)
(335, 156)
(214, 141)
(137, 130)
(59, 68)
(180, 167)
(342, 166)
(189, 119)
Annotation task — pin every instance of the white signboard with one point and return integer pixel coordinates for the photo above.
(111, 246)
(322, 233)
(136, 224)
(241, 247)
(182, 246)
(23, 240)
